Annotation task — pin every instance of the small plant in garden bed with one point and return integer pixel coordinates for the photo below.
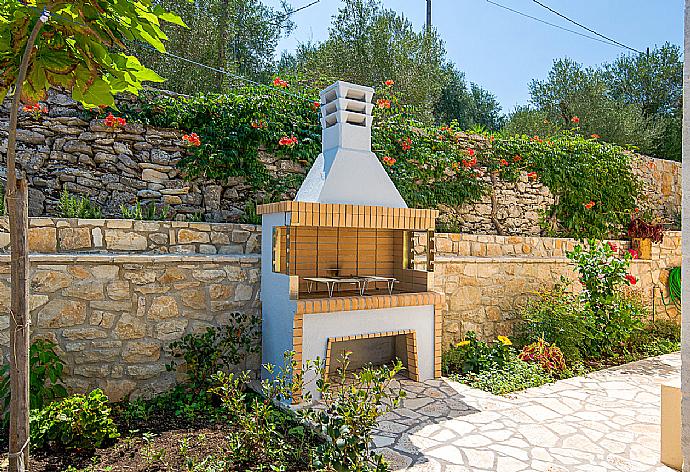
(73, 206)
(147, 211)
(639, 228)
(45, 377)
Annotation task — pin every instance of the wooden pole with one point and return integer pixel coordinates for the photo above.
(17, 205)
(685, 263)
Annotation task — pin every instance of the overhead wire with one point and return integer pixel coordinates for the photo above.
(594, 38)
(618, 43)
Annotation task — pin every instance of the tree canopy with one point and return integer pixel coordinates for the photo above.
(634, 100)
(82, 48)
(239, 36)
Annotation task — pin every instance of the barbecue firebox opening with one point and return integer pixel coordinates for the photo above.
(372, 350)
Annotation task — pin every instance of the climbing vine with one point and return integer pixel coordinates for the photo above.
(431, 166)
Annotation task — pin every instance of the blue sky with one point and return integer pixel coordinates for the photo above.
(502, 51)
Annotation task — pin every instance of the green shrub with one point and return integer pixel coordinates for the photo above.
(556, 317)
(147, 212)
(45, 376)
(612, 317)
(473, 355)
(75, 422)
(654, 339)
(512, 376)
(72, 206)
(353, 403)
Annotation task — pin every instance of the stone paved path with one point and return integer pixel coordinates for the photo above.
(606, 421)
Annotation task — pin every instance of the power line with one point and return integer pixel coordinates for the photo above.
(280, 18)
(552, 24)
(585, 27)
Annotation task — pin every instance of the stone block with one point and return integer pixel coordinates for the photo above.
(163, 307)
(171, 329)
(194, 298)
(61, 314)
(125, 241)
(130, 327)
(141, 351)
(119, 290)
(85, 290)
(42, 239)
(48, 281)
(74, 238)
(88, 332)
(188, 236)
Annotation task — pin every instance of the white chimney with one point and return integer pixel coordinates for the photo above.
(346, 171)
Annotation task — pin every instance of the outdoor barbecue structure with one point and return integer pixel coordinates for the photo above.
(347, 266)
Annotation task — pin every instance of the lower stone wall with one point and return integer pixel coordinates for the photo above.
(487, 279)
(112, 316)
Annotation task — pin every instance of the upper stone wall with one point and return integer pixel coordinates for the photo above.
(71, 148)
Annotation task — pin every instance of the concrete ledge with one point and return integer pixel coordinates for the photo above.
(510, 259)
(138, 258)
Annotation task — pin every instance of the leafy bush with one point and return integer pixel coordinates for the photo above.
(353, 403)
(216, 349)
(147, 212)
(473, 355)
(612, 317)
(556, 317)
(75, 422)
(45, 376)
(72, 206)
(432, 166)
(512, 376)
(548, 356)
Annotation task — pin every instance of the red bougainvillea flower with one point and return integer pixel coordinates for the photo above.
(531, 175)
(192, 139)
(596, 136)
(504, 162)
(388, 160)
(471, 163)
(444, 128)
(517, 158)
(470, 152)
(288, 141)
(121, 121)
(575, 119)
(631, 279)
(634, 253)
(613, 247)
(36, 110)
(316, 105)
(278, 82)
(406, 144)
(383, 103)
(389, 83)
(589, 205)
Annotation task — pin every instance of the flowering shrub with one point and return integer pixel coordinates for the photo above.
(288, 141)
(548, 356)
(114, 122)
(435, 166)
(192, 139)
(611, 316)
(473, 355)
(36, 110)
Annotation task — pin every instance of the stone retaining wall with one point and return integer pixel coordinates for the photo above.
(60, 235)
(70, 148)
(487, 279)
(112, 316)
